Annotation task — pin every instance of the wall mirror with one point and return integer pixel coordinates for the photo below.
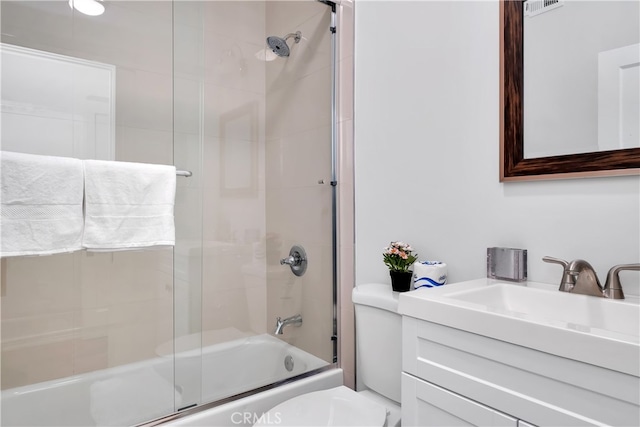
(570, 95)
(57, 105)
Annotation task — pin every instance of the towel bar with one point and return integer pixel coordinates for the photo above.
(186, 174)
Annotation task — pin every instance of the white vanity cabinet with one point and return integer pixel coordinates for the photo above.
(455, 378)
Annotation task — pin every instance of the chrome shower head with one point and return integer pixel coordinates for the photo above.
(279, 45)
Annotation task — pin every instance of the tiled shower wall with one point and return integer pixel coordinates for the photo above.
(234, 284)
(291, 139)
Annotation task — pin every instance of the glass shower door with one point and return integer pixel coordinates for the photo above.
(298, 135)
(264, 185)
(83, 332)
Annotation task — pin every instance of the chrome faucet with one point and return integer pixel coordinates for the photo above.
(579, 277)
(281, 323)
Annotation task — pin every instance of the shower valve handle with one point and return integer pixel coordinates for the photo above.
(291, 260)
(297, 260)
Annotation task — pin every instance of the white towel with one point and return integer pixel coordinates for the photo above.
(41, 198)
(128, 205)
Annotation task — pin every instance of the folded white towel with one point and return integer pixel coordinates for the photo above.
(41, 198)
(128, 205)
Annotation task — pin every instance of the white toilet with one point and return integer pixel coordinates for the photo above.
(379, 363)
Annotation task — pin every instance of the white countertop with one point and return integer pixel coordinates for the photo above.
(593, 330)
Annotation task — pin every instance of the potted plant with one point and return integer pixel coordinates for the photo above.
(398, 256)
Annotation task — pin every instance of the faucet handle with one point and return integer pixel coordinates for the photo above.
(553, 260)
(613, 287)
(290, 260)
(569, 276)
(297, 260)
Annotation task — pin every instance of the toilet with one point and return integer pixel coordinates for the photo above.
(379, 364)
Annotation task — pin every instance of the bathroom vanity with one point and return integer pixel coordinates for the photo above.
(491, 353)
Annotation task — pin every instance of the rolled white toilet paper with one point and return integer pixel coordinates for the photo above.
(429, 274)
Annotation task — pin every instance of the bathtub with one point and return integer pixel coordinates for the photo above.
(243, 364)
(142, 391)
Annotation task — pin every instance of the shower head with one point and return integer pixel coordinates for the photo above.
(279, 45)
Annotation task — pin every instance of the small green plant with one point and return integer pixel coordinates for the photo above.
(398, 256)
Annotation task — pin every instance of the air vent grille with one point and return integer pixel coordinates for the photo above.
(536, 7)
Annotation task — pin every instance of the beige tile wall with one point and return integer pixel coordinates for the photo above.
(234, 263)
(67, 314)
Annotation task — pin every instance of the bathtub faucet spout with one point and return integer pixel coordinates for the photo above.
(281, 323)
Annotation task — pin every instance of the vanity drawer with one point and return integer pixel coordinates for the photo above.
(427, 405)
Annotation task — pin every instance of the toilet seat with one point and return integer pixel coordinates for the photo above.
(338, 406)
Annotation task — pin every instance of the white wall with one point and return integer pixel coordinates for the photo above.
(427, 136)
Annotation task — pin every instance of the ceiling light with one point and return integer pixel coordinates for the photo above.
(88, 7)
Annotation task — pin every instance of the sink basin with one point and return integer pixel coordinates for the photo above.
(581, 312)
(538, 316)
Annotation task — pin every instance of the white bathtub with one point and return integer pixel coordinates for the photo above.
(134, 393)
(240, 365)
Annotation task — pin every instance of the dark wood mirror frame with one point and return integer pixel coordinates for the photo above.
(513, 165)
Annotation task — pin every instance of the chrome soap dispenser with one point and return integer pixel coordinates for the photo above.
(507, 264)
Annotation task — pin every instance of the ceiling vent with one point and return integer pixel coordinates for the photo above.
(536, 7)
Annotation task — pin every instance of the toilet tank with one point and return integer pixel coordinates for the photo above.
(378, 339)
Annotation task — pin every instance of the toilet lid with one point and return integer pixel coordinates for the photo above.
(338, 406)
